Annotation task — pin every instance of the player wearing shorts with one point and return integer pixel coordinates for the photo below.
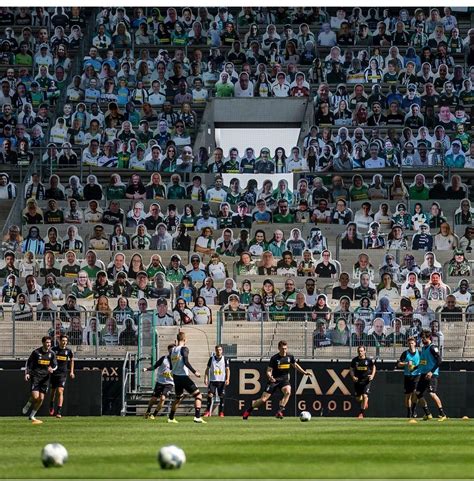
(217, 377)
(180, 368)
(59, 377)
(362, 373)
(428, 369)
(278, 374)
(40, 364)
(164, 383)
(409, 361)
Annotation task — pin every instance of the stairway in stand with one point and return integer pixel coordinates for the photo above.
(201, 340)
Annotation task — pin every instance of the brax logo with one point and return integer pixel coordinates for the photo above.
(249, 383)
(108, 373)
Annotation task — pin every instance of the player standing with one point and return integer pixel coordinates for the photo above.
(59, 377)
(362, 372)
(278, 374)
(428, 369)
(40, 364)
(409, 360)
(180, 368)
(217, 377)
(164, 383)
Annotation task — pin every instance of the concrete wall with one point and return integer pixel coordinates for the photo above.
(258, 110)
(231, 112)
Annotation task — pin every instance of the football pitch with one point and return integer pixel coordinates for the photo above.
(114, 447)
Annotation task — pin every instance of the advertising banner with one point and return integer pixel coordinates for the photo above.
(330, 392)
(82, 395)
(111, 371)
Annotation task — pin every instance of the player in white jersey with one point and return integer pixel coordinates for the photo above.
(180, 368)
(163, 386)
(217, 377)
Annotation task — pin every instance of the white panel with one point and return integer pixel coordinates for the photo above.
(260, 178)
(257, 139)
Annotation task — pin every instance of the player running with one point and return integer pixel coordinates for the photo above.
(409, 360)
(278, 374)
(217, 377)
(164, 383)
(180, 368)
(428, 369)
(362, 373)
(59, 377)
(41, 363)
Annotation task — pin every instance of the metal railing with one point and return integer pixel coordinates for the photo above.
(337, 335)
(90, 333)
(311, 335)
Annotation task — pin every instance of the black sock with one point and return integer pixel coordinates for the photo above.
(171, 415)
(441, 411)
(409, 411)
(250, 408)
(221, 405)
(156, 412)
(426, 410)
(209, 402)
(197, 412)
(148, 409)
(282, 408)
(58, 409)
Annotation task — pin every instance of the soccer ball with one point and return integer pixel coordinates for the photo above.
(54, 455)
(171, 457)
(305, 416)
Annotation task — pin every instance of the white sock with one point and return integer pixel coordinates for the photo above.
(33, 413)
(26, 407)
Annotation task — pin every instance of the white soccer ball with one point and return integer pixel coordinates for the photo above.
(305, 416)
(171, 457)
(54, 455)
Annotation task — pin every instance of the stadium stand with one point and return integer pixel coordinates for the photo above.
(124, 220)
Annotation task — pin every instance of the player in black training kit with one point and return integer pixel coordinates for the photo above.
(59, 377)
(362, 372)
(40, 364)
(164, 383)
(278, 373)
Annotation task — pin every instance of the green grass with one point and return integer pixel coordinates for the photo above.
(113, 447)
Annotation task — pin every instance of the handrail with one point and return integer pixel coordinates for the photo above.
(219, 327)
(15, 217)
(125, 375)
(338, 245)
(306, 123)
